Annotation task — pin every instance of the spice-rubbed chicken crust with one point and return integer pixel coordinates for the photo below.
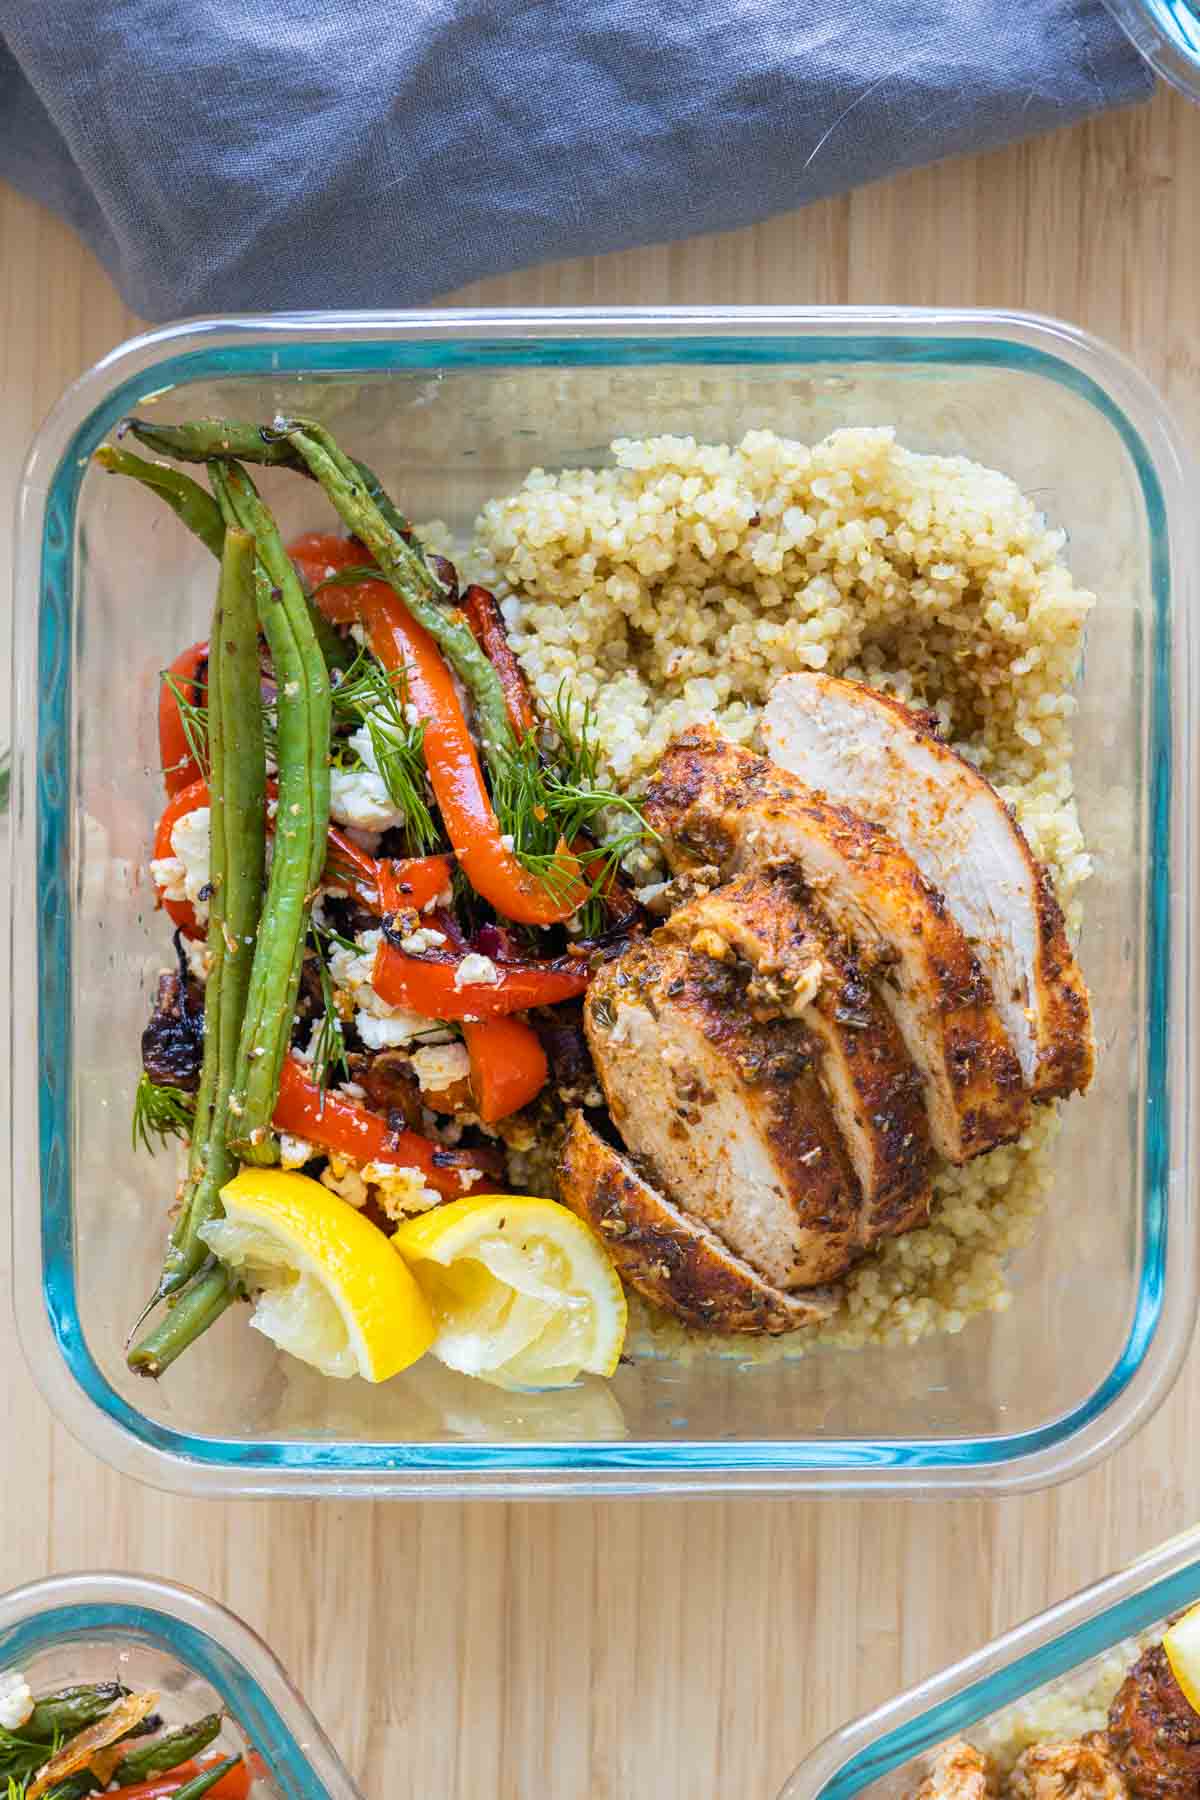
(669, 1258)
(1154, 1733)
(712, 802)
(801, 970)
(864, 749)
(726, 1111)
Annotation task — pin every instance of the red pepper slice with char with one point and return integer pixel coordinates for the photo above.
(338, 1123)
(429, 984)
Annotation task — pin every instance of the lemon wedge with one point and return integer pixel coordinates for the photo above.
(1182, 1646)
(330, 1288)
(523, 1294)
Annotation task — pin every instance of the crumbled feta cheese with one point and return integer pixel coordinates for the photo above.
(379, 1025)
(185, 873)
(16, 1701)
(359, 797)
(199, 958)
(342, 1178)
(400, 1192)
(294, 1152)
(393, 1031)
(439, 1066)
(426, 938)
(476, 971)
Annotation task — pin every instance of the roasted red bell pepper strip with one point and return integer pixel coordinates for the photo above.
(508, 1065)
(412, 883)
(234, 1786)
(451, 758)
(340, 1124)
(429, 984)
(454, 771)
(185, 801)
(180, 768)
(487, 627)
(317, 555)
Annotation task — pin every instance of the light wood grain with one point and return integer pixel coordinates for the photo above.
(666, 1651)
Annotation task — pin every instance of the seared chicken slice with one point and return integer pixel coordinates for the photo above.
(866, 750)
(713, 802)
(669, 1258)
(727, 1112)
(802, 971)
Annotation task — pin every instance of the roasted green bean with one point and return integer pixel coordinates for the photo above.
(186, 498)
(62, 1714)
(207, 1780)
(238, 802)
(406, 570)
(167, 1752)
(200, 512)
(189, 1315)
(301, 819)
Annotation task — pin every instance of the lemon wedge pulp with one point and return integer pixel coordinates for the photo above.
(331, 1289)
(522, 1293)
(1182, 1646)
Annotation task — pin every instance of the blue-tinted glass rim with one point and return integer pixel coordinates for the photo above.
(243, 1698)
(367, 356)
(980, 1699)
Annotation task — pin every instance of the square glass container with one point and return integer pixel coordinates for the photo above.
(885, 1754)
(199, 1658)
(453, 407)
(1167, 32)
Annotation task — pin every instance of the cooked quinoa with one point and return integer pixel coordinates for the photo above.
(1070, 1707)
(678, 584)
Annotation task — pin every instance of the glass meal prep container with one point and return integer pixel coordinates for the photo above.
(1167, 32)
(1057, 1655)
(454, 407)
(198, 1657)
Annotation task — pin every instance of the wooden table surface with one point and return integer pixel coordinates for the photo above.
(657, 1651)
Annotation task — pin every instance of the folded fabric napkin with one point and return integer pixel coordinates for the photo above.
(349, 153)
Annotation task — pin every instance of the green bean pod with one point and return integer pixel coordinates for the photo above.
(301, 819)
(186, 498)
(167, 1752)
(205, 1782)
(404, 568)
(70, 1710)
(198, 510)
(200, 440)
(237, 835)
(188, 1316)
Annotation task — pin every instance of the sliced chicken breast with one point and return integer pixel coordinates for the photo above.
(713, 802)
(866, 750)
(668, 1257)
(726, 1112)
(800, 970)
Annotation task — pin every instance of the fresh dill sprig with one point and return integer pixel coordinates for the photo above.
(368, 695)
(548, 797)
(194, 720)
(347, 577)
(160, 1112)
(328, 1042)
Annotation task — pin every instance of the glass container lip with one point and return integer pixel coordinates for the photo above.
(360, 342)
(1167, 33)
(207, 1638)
(1047, 1646)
